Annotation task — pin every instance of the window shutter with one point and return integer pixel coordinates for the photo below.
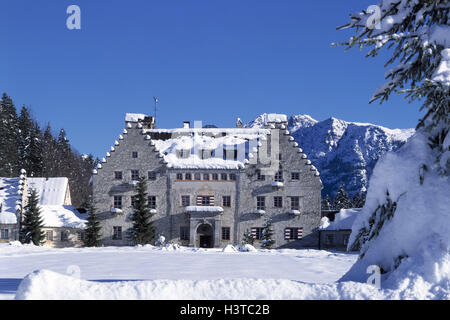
(287, 234)
(211, 200)
(199, 200)
(254, 233)
(299, 233)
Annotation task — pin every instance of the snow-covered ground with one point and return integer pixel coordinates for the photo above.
(188, 266)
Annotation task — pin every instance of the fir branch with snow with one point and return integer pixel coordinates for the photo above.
(418, 32)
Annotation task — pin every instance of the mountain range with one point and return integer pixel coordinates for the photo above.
(344, 152)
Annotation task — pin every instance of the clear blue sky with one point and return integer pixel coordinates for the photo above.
(209, 60)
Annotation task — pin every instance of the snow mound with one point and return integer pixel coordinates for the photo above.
(229, 248)
(171, 247)
(247, 248)
(48, 285)
(412, 245)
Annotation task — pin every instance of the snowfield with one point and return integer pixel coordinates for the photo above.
(172, 272)
(261, 274)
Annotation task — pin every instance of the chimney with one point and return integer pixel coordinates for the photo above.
(186, 124)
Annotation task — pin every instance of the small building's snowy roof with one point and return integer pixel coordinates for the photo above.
(61, 216)
(51, 191)
(203, 148)
(10, 196)
(343, 220)
(52, 200)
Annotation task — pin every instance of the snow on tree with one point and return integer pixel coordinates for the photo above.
(8, 141)
(247, 238)
(403, 227)
(342, 200)
(142, 231)
(326, 203)
(267, 240)
(418, 34)
(32, 223)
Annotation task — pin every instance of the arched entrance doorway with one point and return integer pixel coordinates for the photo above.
(205, 236)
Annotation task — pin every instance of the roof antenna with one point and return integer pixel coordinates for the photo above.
(154, 118)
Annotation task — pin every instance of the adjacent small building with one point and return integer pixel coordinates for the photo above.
(63, 224)
(335, 234)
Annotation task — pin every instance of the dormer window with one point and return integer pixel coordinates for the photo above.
(183, 153)
(134, 154)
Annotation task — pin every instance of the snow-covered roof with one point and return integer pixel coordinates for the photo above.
(52, 200)
(51, 191)
(10, 199)
(343, 220)
(61, 216)
(203, 148)
(134, 117)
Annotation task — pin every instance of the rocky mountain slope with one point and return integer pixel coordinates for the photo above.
(344, 152)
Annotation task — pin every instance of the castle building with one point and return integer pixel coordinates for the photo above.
(209, 186)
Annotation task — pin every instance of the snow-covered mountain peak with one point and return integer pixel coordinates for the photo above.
(344, 152)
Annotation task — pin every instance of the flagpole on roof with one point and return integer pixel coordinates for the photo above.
(156, 101)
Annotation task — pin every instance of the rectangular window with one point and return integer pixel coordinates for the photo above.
(64, 236)
(295, 203)
(117, 233)
(151, 175)
(279, 176)
(225, 233)
(118, 202)
(295, 175)
(206, 176)
(188, 176)
(152, 202)
(223, 176)
(134, 175)
(49, 235)
(215, 176)
(330, 239)
(226, 201)
(293, 233)
(206, 200)
(4, 234)
(134, 154)
(184, 233)
(185, 201)
(184, 153)
(80, 236)
(179, 176)
(279, 156)
(118, 175)
(232, 177)
(197, 176)
(257, 233)
(260, 176)
(260, 203)
(278, 202)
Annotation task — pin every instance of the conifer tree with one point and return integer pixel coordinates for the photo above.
(32, 223)
(267, 235)
(30, 144)
(142, 231)
(92, 237)
(8, 138)
(326, 203)
(248, 237)
(342, 200)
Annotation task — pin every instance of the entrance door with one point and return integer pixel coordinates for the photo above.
(205, 242)
(205, 236)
